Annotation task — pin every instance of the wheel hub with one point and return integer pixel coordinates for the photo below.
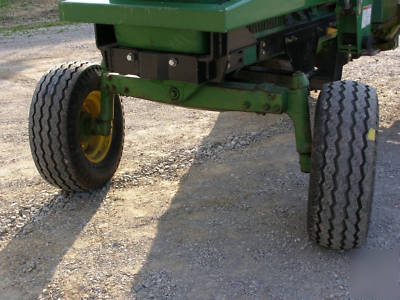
(95, 147)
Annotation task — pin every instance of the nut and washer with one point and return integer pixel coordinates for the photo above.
(130, 57)
(173, 62)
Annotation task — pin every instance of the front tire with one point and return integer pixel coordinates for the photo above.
(66, 157)
(343, 165)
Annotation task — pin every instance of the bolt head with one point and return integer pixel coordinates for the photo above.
(130, 57)
(173, 62)
(174, 93)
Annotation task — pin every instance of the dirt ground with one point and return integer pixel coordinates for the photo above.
(21, 12)
(205, 205)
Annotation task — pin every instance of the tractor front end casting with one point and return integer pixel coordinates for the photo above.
(255, 56)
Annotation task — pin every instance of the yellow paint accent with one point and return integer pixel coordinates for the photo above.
(96, 148)
(331, 31)
(372, 134)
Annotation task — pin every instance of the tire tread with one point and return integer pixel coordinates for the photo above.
(46, 136)
(343, 163)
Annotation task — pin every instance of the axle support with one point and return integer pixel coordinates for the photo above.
(260, 98)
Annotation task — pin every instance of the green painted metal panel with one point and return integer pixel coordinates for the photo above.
(354, 26)
(384, 10)
(162, 39)
(250, 55)
(177, 16)
(204, 16)
(257, 10)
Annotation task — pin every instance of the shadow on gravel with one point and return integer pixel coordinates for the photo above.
(236, 229)
(57, 225)
(391, 135)
(375, 267)
(385, 224)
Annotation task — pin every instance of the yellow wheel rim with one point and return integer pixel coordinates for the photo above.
(94, 147)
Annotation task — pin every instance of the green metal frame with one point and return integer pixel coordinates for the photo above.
(229, 96)
(183, 26)
(350, 22)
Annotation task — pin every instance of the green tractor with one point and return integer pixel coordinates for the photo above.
(258, 56)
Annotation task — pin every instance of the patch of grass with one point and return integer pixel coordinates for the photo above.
(19, 12)
(4, 3)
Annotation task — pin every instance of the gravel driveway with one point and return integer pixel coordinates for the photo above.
(205, 205)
